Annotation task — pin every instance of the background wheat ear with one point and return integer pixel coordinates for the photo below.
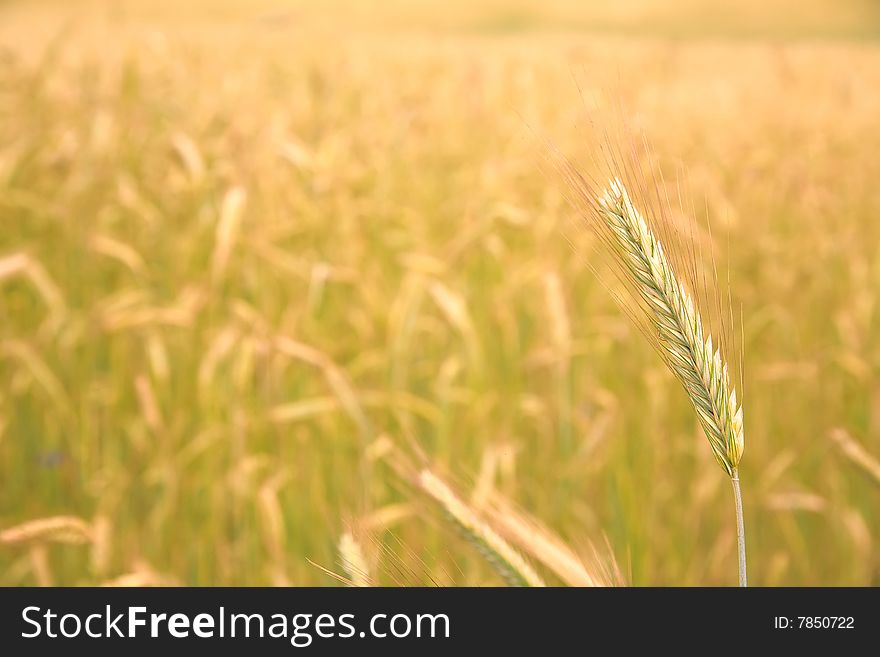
(353, 560)
(503, 558)
(672, 322)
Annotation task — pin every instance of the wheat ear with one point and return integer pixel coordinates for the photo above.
(353, 560)
(685, 347)
(503, 558)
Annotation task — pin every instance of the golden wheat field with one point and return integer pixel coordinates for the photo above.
(276, 277)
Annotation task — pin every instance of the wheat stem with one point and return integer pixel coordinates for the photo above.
(740, 529)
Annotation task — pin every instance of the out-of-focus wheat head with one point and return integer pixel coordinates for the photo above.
(685, 347)
(506, 561)
(353, 560)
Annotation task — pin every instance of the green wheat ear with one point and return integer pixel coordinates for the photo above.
(686, 348)
(674, 323)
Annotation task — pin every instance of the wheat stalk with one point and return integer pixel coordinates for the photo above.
(683, 343)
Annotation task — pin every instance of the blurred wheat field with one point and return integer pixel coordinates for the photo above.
(247, 247)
